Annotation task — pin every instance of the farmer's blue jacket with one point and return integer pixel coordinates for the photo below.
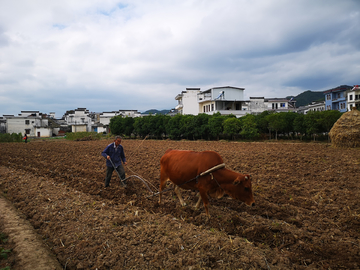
(116, 154)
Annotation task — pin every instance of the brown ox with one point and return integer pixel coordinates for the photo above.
(182, 168)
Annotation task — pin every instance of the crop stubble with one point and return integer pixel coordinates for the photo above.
(307, 209)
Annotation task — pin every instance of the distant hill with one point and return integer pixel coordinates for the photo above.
(307, 97)
(154, 111)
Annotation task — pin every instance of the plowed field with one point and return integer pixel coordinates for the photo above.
(307, 213)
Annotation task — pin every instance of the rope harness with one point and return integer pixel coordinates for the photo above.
(209, 171)
(123, 180)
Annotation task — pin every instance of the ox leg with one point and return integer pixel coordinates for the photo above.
(205, 199)
(197, 205)
(178, 193)
(163, 180)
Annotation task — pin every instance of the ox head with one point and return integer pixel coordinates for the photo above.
(243, 190)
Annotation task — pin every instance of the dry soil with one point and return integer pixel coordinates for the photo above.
(307, 213)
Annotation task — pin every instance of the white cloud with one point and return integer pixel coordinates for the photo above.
(106, 55)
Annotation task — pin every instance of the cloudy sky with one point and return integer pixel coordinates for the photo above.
(107, 55)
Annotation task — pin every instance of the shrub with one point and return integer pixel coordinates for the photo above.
(13, 137)
(83, 136)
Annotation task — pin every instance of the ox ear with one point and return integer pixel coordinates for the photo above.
(237, 181)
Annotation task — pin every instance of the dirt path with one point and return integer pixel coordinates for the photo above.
(30, 251)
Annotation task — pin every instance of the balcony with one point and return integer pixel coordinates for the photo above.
(204, 97)
(237, 113)
(336, 99)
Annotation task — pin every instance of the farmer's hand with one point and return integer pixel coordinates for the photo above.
(108, 157)
(125, 163)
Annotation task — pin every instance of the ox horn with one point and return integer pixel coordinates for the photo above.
(236, 182)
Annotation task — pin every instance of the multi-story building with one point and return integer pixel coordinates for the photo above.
(225, 100)
(278, 105)
(259, 104)
(353, 98)
(336, 98)
(32, 123)
(79, 120)
(187, 101)
(315, 106)
(228, 100)
(102, 126)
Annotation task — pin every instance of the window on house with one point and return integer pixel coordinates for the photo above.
(212, 107)
(350, 97)
(27, 131)
(282, 105)
(27, 122)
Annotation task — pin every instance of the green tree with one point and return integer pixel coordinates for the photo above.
(187, 127)
(142, 126)
(157, 125)
(262, 122)
(200, 124)
(328, 119)
(128, 125)
(249, 128)
(312, 123)
(276, 122)
(289, 118)
(122, 125)
(216, 125)
(299, 125)
(232, 127)
(173, 127)
(116, 125)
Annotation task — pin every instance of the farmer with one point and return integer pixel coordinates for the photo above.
(114, 154)
(25, 138)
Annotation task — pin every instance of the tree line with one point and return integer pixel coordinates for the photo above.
(267, 125)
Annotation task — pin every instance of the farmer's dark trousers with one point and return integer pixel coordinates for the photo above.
(109, 173)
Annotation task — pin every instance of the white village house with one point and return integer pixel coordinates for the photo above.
(353, 98)
(228, 100)
(225, 100)
(104, 119)
(187, 101)
(79, 120)
(32, 123)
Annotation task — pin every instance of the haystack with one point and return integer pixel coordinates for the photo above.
(346, 130)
